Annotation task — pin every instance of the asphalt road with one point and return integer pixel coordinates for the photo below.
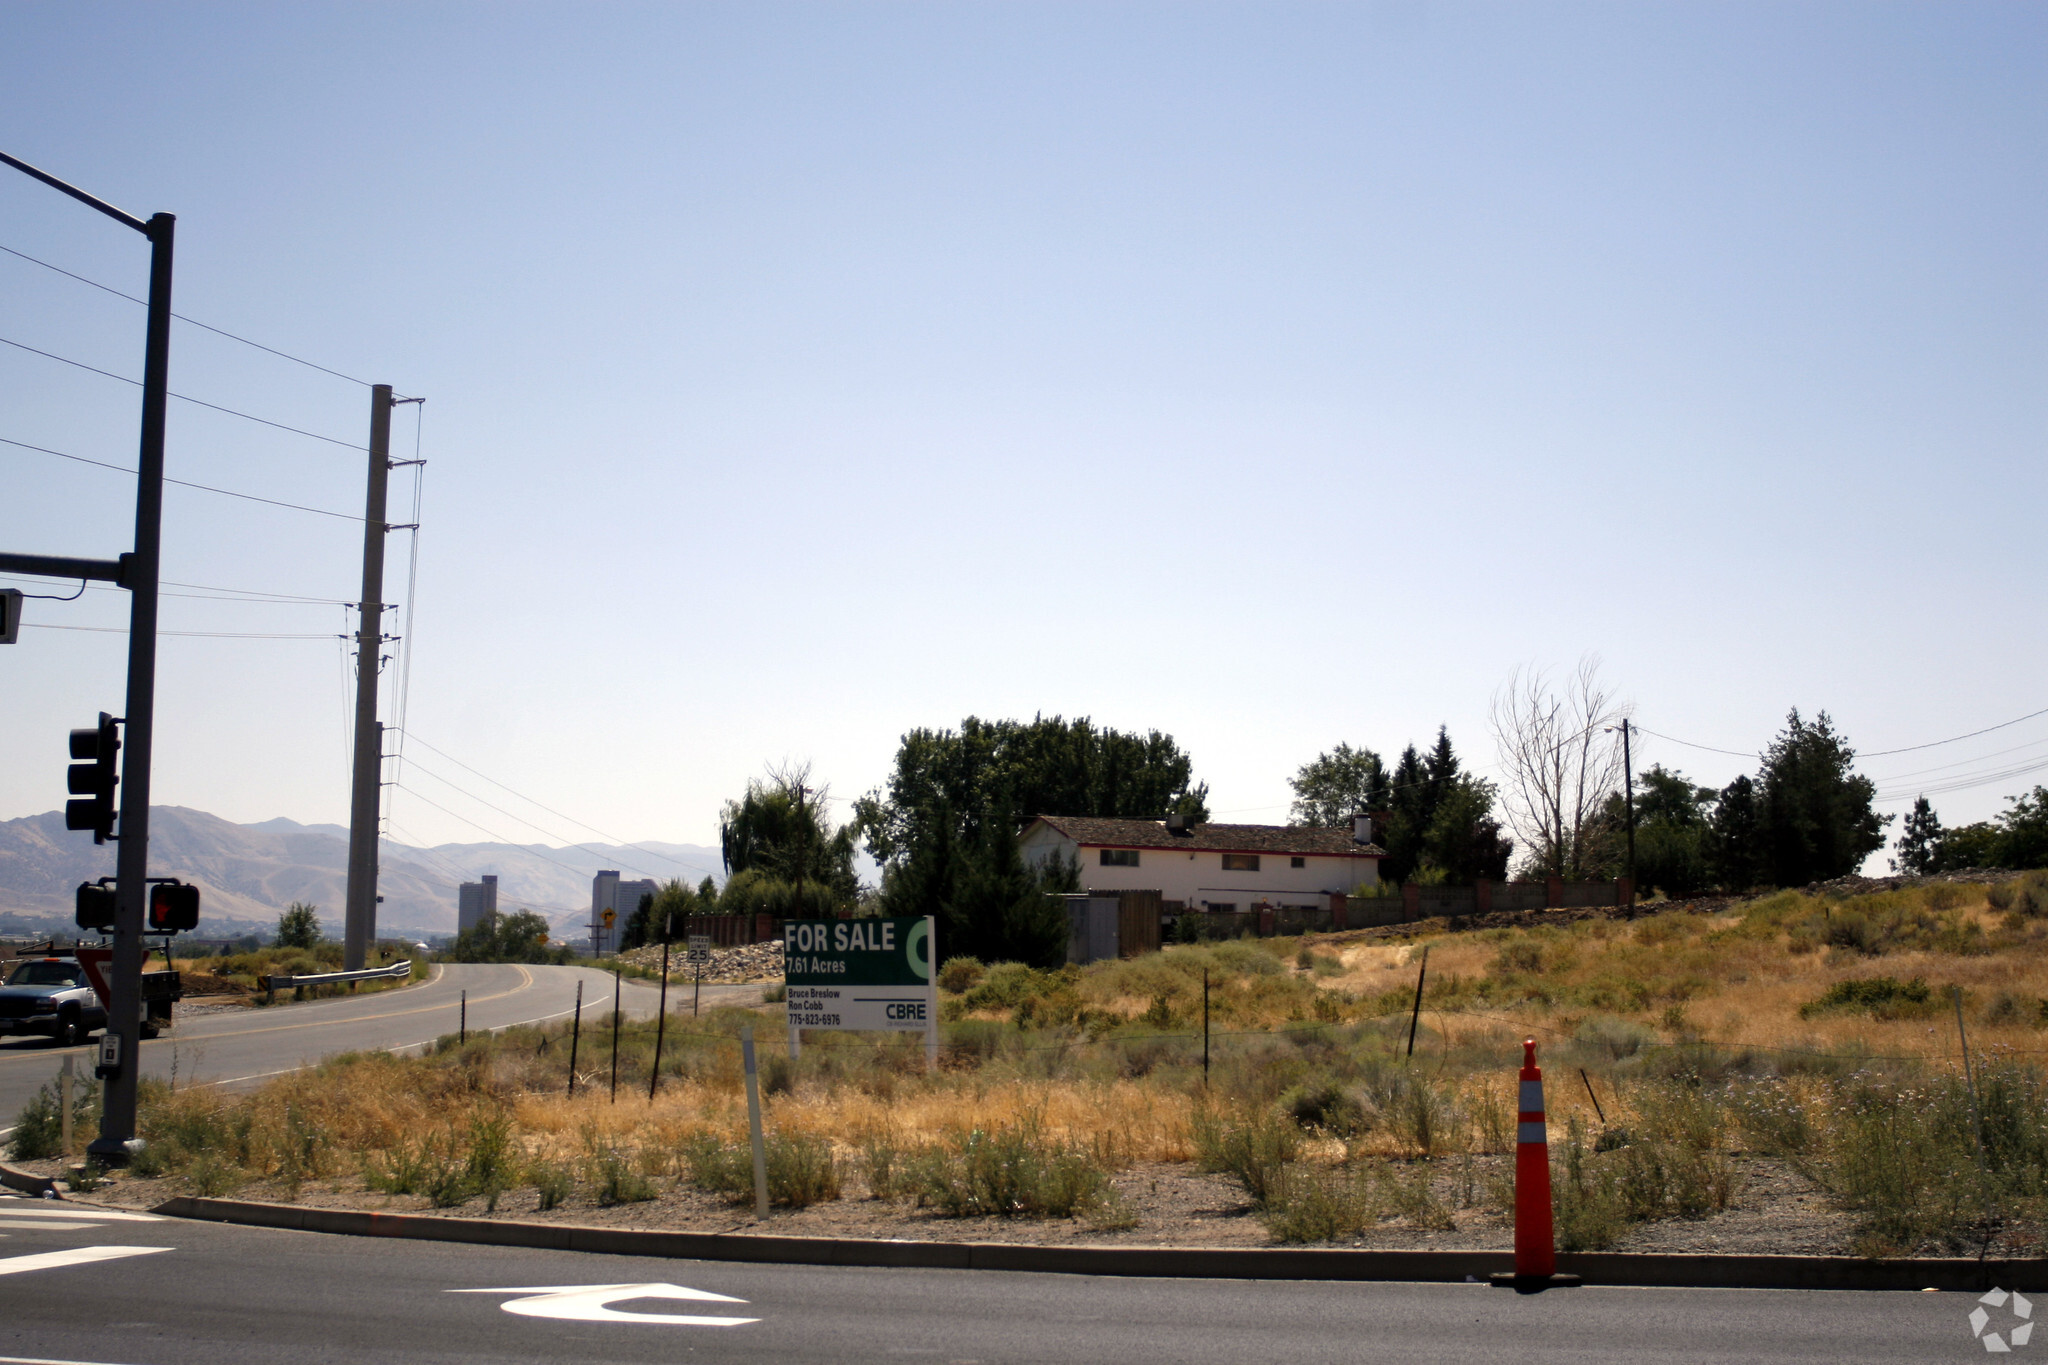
(241, 1045)
(223, 1295)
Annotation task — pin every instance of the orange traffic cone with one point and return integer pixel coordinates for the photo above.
(1535, 1238)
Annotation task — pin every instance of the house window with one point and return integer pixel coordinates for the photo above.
(1240, 862)
(1119, 857)
(1297, 862)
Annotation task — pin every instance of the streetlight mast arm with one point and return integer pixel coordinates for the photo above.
(118, 215)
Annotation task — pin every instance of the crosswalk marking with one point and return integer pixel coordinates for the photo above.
(50, 1208)
(46, 1225)
(51, 1260)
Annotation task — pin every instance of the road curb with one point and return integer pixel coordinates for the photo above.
(1229, 1263)
(14, 1178)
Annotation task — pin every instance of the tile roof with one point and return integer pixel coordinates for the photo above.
(1211, 838)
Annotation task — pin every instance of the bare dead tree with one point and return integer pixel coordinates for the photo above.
(1558, 761)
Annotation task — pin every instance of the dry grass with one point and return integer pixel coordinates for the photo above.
(1669, 1042)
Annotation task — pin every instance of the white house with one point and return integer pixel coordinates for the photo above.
(1210, 867)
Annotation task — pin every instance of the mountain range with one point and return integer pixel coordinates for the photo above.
(249, 873)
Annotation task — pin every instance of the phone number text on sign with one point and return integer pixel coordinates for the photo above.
(859, 1007)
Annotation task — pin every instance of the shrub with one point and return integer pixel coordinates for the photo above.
(1255, 1148)
(1415, 1198)
(1324, 1106)
(1014, 1171)
(39, 1127)
(1312, 1204)
(1588, 1208)
(1879, 996)
(801, 1168)
(552, 1181)
(961, 974)
(615, 1178)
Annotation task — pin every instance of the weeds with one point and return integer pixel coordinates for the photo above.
(1014, 1171)
(1313, 1204)
(1255, 1148)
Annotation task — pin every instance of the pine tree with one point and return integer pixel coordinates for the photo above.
(1919, 845)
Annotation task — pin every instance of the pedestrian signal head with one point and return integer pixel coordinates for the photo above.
(96, 907)
(173, 908)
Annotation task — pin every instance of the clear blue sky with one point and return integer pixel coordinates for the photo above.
(1270, 375)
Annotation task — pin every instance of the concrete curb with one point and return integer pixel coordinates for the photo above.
(1226, 1263)
(14, 1178)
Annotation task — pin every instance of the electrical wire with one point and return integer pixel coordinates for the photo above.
(403, 711)
(1876, 753)
(559, 815)
(217, 331)
(83, 584)
(184, 398)
(524, 848)
(183, 483)
(552, 834)
(194, 634)
(239, 597)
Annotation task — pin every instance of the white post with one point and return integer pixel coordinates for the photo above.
(754, 1125)
(64, 1104)
(931, 993)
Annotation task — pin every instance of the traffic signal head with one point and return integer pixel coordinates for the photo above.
(96, 907)
(94, 779)
(173, 908)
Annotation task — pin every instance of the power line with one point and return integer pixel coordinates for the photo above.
(694, 867)
(217, 331)
(1878, 753)
(182, 483)
(187, 398)
(1911, 748)
(259, 593)
(195, 634)
(487, 830)
(542, 828)
(249, 597)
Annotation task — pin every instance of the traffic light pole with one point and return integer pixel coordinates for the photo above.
(136, 571)
(131, 867)
(367, 790)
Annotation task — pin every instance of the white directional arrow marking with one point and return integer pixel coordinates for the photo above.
(591, 1303)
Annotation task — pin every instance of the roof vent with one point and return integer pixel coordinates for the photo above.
(1178, 823)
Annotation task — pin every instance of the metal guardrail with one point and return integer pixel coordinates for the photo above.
(396, 971)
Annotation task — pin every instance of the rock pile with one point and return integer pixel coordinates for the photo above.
(749, 962)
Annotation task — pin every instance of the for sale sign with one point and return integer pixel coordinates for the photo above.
(860, 973)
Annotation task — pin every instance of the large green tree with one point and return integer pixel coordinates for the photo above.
(1816, 809)
(2016, 837)
(1734, 841)
(1334, 786)
(1004, 771)
(1920, 840)
(1439, 823)
(1672, 832)
(521, 936)
(782, 851)
(945, 826)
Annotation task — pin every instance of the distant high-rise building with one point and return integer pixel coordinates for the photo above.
(477, 902)
(622, 898)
